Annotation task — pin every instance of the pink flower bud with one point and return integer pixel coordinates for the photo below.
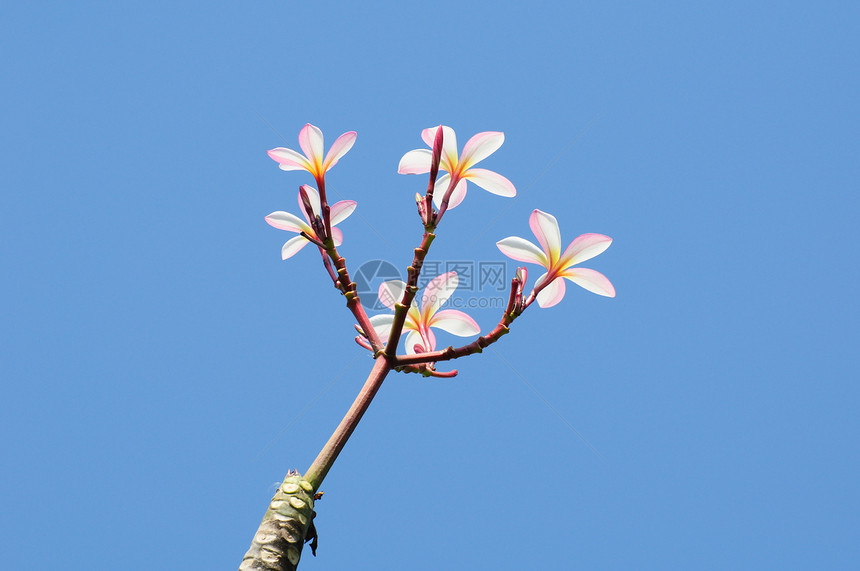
(522, 275)
(306, 202)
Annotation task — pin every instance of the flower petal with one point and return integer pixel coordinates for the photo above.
(415, 162)
(552, 293)
(413, 338)
(437, 293)
(314, 196)
(292, 246)
(337, 236)
(311, 142)
(413, 316)
(289, 222)
(391, 292)
(480, 147)
(457, 195)
(429, 135)
(440, 188)
(288, 159)
(340, 147)
(430, 340)
(455, 322)
(382, 325)
(591, 280)
(340, 211)
(545, 228)
(585, 247)
(491, 182)
(522, 250)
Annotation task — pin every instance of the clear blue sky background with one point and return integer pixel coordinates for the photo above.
(156, 352)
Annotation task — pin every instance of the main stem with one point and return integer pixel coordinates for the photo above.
(320, 467)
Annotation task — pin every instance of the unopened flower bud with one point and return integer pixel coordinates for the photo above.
(306, 201)
(422, 207)
(318, 228)
(522, 275)
(437, 146)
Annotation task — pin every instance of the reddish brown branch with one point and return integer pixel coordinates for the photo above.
(347, 287)
(401, 308)
(324, 461)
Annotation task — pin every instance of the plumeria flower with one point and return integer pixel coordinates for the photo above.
(459, 169)
(311, 142)
(559, 264)
(419, 320)
(292, 223)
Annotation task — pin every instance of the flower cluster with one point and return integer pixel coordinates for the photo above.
(311, 204)
(448, 192)
(415, 318)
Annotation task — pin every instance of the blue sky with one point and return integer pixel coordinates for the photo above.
(162, 368)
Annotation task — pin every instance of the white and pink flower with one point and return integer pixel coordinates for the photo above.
(458, 169)
(558, 264)
(311, 142)
(420, 319)
(292, 223)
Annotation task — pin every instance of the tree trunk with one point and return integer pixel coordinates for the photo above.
(277, 545)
